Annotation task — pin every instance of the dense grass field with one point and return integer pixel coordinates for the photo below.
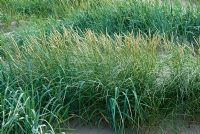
(120, 63)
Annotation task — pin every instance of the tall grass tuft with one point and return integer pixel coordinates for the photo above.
(178, 22)
(123, 81)
(175, 21)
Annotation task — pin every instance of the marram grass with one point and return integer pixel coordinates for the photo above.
(123, 81)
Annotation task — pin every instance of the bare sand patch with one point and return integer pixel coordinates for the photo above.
(179, 126)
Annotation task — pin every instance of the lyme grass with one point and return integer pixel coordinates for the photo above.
(121, 63)
(141, 16)
(124, 80)
(170, 19)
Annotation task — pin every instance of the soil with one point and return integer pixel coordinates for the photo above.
(180, 126)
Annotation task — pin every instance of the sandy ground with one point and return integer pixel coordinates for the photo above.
(88, 130)
(194, 129)
(179, 126)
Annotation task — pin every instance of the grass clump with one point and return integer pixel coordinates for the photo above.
(121, 63)
(177, 22)
(31, 7)
(174, 21)
(124, 81)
